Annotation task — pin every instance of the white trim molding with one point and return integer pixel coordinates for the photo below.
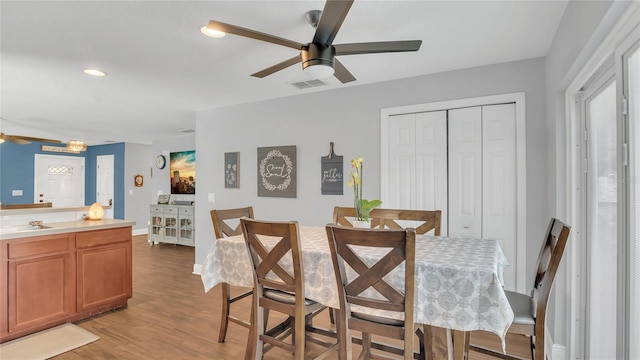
(521, 163)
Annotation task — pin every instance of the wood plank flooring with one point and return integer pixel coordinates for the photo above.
(171, 317)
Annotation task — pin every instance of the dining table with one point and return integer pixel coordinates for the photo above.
(458, 280)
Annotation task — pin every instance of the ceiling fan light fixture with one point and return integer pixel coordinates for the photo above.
(318, 71)
(212, 32)
(318, 60)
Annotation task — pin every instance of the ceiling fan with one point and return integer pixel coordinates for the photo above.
(24, 140)
(318, 56)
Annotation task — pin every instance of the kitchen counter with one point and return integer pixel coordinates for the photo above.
(46, 210)
(17, 232)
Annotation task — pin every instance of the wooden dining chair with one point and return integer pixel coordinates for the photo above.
(400, 250)
(530, 310)
(281, 289)
(226, 222)
(422, 221)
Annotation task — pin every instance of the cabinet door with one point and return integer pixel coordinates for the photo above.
(41, 288)
(170, 224)
(104, 268)
(186, 228)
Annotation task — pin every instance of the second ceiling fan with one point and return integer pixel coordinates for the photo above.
(319, 56)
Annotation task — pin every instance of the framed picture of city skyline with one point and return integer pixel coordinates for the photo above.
(183, 172)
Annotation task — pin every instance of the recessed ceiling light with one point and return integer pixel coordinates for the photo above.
(94, 72)
(212, 33)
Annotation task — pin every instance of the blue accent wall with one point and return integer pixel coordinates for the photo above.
(17, 172)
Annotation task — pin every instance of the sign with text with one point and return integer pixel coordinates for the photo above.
(332, 173)
(277, 171)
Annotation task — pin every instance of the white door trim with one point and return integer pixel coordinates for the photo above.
(521, 171)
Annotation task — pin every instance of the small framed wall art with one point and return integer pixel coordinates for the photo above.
(138, 180)
(232, 170)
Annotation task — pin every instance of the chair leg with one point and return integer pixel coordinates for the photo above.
(533, 347)
(224, 317)
(366, 346)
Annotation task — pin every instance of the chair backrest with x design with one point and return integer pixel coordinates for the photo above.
(285, 235)
(399, 248)
(223, 219)
(422, 220)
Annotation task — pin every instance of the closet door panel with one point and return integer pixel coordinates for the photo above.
(465, 172)
(431, 164)
(499, 179)
(402, 171)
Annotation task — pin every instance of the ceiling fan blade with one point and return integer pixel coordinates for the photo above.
(332, 17)
(23, 140)
(341, 73)
(237, 30)
(377, 47)
(277, 67)
(16, 140)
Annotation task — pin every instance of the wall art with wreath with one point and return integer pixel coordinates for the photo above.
(277, 171)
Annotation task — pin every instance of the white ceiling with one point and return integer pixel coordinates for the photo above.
(161, 69)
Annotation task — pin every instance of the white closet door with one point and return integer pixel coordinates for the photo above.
(402, 185)
(499, 180)
(465, 172)
(431, 164)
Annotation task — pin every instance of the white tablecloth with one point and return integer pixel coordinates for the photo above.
(458, 280)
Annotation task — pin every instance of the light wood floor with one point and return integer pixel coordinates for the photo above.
(171, 317)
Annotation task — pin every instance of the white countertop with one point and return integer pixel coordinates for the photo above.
(66, 227)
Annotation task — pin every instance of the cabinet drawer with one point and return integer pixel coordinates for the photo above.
(103, 237)
(186, 211)
(43, 245)
(170, 210)
(156, 209)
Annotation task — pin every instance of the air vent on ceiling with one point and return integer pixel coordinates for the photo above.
(309, 84)
(186, 131)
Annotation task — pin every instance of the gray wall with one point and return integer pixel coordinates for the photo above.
(136, 207)
(350, 117)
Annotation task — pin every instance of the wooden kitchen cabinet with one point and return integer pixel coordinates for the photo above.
(104, 269)
(40, 282)
(52, 279)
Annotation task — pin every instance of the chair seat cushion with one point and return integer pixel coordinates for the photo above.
(523, 308)
(284, 297)
(378, 319)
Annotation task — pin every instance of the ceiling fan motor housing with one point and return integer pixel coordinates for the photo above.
(318, 54)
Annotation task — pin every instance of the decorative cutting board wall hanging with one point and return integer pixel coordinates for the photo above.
(332, 173)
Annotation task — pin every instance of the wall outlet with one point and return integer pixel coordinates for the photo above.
(212, 197)
(16, 192)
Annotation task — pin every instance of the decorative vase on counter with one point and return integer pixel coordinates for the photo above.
(363, 224)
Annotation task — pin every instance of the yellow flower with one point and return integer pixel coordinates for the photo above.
(350, 183)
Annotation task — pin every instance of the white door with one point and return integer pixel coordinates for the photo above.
(602, 217)
(463, 162)
(104, 183)
(418, 163)
(59, 180)
(465, 172)
(499, 181)
(104, 179)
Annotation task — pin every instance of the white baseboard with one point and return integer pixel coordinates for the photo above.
(558, 352)
(197, 269)
(140, 232)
